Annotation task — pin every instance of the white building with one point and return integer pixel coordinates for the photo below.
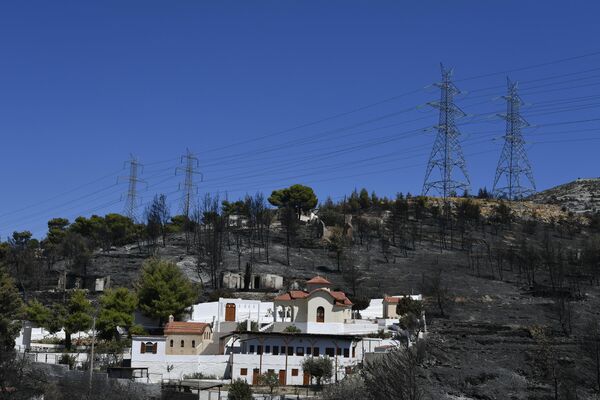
(323, 317)
(235, 280)
(232, 311)
(318, 310)
(284, 353)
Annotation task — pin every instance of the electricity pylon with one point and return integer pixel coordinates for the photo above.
(446, 155)
(514, 179)
(131, 201)
(189, 187)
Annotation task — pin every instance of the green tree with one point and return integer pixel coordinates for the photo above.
(39, 314)
(299, 197)
(269, 379)
(321, 368)
(78, 316)
(116, 310)
(50, 318)
(57, 228)
(121, 230)
(11, 312)
(364, 199)
(164, 290)
(239, 390)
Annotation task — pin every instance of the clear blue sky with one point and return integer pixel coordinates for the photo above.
(84, 84)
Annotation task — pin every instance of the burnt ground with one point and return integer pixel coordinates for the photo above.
(483, 349)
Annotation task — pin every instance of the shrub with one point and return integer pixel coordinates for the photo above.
(292, 329)
(243, 326)
(198, 375)
(239, 390)
(68, 359)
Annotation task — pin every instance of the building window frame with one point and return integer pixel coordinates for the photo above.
(320, 314)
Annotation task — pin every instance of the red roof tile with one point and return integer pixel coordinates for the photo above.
(339, 297)
(178, 327)
(389, 299)
(319, 280)
(292, 295)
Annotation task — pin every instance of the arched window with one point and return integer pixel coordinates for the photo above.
(182, 343)
(320, 314)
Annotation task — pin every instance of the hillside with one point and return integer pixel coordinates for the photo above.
(504, 269)
(581, 195)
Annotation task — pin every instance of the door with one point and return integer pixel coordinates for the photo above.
(306, 379)
(230, 312)
(255, 374)
(282, 376)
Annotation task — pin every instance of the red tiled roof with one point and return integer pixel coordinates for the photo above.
(292, 295)
(339, 297)
(178, 327)
(389, 299)
(319, 280)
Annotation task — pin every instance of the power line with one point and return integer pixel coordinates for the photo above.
(533, 66)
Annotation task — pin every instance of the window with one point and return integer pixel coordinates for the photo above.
(346, 353)
(339, 351)
(290, 351)
(353, 352)
(267, 349)
(348, 370)
(148, 347)
(251, 349)
(193, 343)
(299, 351)
(294, 372)
(259, 349)
(330, 351)
(308, 350)
(320, 314)
(171, 343)
(315, 351)
(183, 343)
(275, 350)
(243, 371)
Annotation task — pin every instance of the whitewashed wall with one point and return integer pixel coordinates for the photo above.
(287, 363)
(162, 366)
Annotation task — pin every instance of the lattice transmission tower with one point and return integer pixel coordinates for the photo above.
(514, 179)
(446, 156)
(131, 201)
(189, 188)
